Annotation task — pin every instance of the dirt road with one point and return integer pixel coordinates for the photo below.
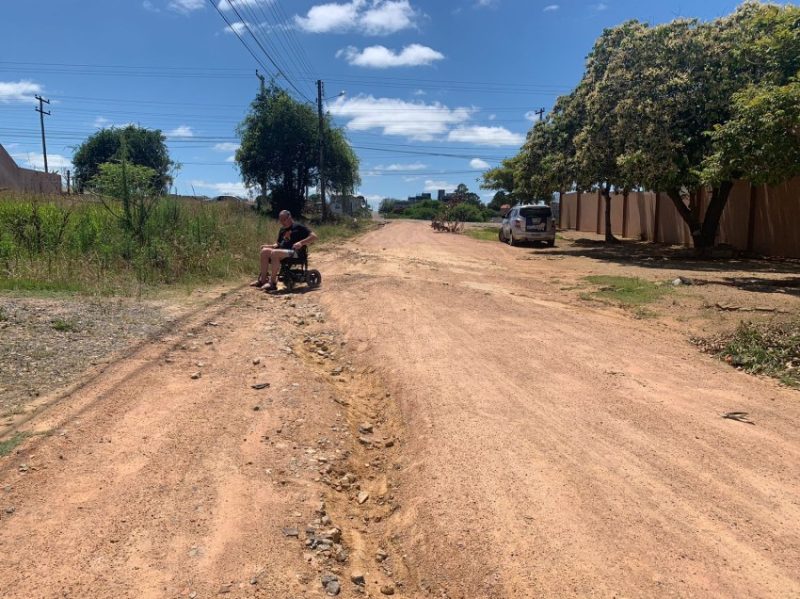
(471, 429)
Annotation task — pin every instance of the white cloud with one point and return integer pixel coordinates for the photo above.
(532, 116)
(492, 117)
(601, 6)
(150, 6)
(231, 158)
(486, 136)
(181, 132)
(486, 3)
(420, 92)
(415, 120)
(36, 161)
(186, 6)
(415, 166)
(478, 164)
(18, 91)
(388, 17)
(551, 8)
(228, 5)
(226, 147)
(380, 57)
(101, 122)
(431, 185)
(378, 17)
(236, 189)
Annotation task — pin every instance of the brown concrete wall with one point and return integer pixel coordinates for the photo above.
(776, 218)
(24, 180)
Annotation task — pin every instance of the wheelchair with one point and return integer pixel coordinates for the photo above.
(295, 270)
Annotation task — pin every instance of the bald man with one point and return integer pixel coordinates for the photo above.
(292, 238)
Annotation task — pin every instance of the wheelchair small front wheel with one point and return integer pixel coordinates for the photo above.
(288, 281)
(313, 278)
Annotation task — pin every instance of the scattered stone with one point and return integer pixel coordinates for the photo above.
(358, 578)
(388, 443)
(224, 589)
(196, 375)
(291, 532)
(362, 497)
(256, 408)
(331, 584)
(259, 386)
(365, 428)
(10, 509)
(23, 467)
(200, 364)
(365, 441)
(256, 361)
(387, 589)
(381, 555)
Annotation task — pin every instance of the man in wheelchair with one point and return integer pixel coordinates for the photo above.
(293, 238)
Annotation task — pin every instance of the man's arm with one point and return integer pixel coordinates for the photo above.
(312, 237)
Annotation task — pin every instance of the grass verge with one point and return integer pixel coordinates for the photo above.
(771, 349)
(7, 446)
(483, 233)
(626, 291)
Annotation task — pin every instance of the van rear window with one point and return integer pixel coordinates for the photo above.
(540, 212)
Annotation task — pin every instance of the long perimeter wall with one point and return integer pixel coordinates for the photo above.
(23, 180)
(757, 218)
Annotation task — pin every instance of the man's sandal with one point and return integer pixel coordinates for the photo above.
(257, 284)
(269, 287)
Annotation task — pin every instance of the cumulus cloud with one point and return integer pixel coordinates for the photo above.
(18, 91)
(380, 57)
(486, 136)
(600, 6)
(183, 131)
(551, 8)
(36, 161)
(432, 185)
(478, 164)
(235, 189)
(186, 6)
(415, 120)
(376, 17)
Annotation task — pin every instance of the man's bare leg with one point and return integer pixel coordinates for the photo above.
(264, 267)
(275, 264)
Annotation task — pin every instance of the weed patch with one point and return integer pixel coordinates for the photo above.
(64, 326)
(7, 446)
(770, 349)
(627, 291)
(485, 234)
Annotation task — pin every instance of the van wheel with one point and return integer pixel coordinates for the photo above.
(500, 235)
(551, 243)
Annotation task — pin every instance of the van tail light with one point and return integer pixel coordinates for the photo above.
(517, 222)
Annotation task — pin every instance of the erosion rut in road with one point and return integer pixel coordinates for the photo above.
(471, 430)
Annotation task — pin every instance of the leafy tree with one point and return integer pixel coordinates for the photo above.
(279, 151)
(387, 205)
(142, 147)
(499, 200)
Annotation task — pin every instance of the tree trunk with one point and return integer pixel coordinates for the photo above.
(704, 233)
(609, 233)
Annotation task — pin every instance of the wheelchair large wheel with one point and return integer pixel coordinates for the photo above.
(313, 278)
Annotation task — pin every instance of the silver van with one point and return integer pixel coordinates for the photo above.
(531, 222)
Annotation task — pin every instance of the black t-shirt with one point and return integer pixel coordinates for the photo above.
(290, 235)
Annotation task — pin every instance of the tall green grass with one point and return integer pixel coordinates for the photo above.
(77, 245)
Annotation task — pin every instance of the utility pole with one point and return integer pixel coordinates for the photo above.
(321, 151)
(540, 113)
(261, 77)
(42, 112)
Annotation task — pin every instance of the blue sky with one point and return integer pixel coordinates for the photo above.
(435, 92)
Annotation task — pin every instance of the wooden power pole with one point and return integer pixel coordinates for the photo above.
(42, 112)
(321, 151)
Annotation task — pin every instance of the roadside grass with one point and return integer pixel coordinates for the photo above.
(64, 326)
(57, 245)
(630, 292)
(483, 233)
(7, 446)
(772, 349)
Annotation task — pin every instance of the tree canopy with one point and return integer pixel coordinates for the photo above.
(674, 108)
(279, 151)
(141, 147)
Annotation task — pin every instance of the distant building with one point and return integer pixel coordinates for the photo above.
(441, 195)
(23, 180)
(347, 205)
(419, 198)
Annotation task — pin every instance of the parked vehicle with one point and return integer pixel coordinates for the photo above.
(528, 223)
